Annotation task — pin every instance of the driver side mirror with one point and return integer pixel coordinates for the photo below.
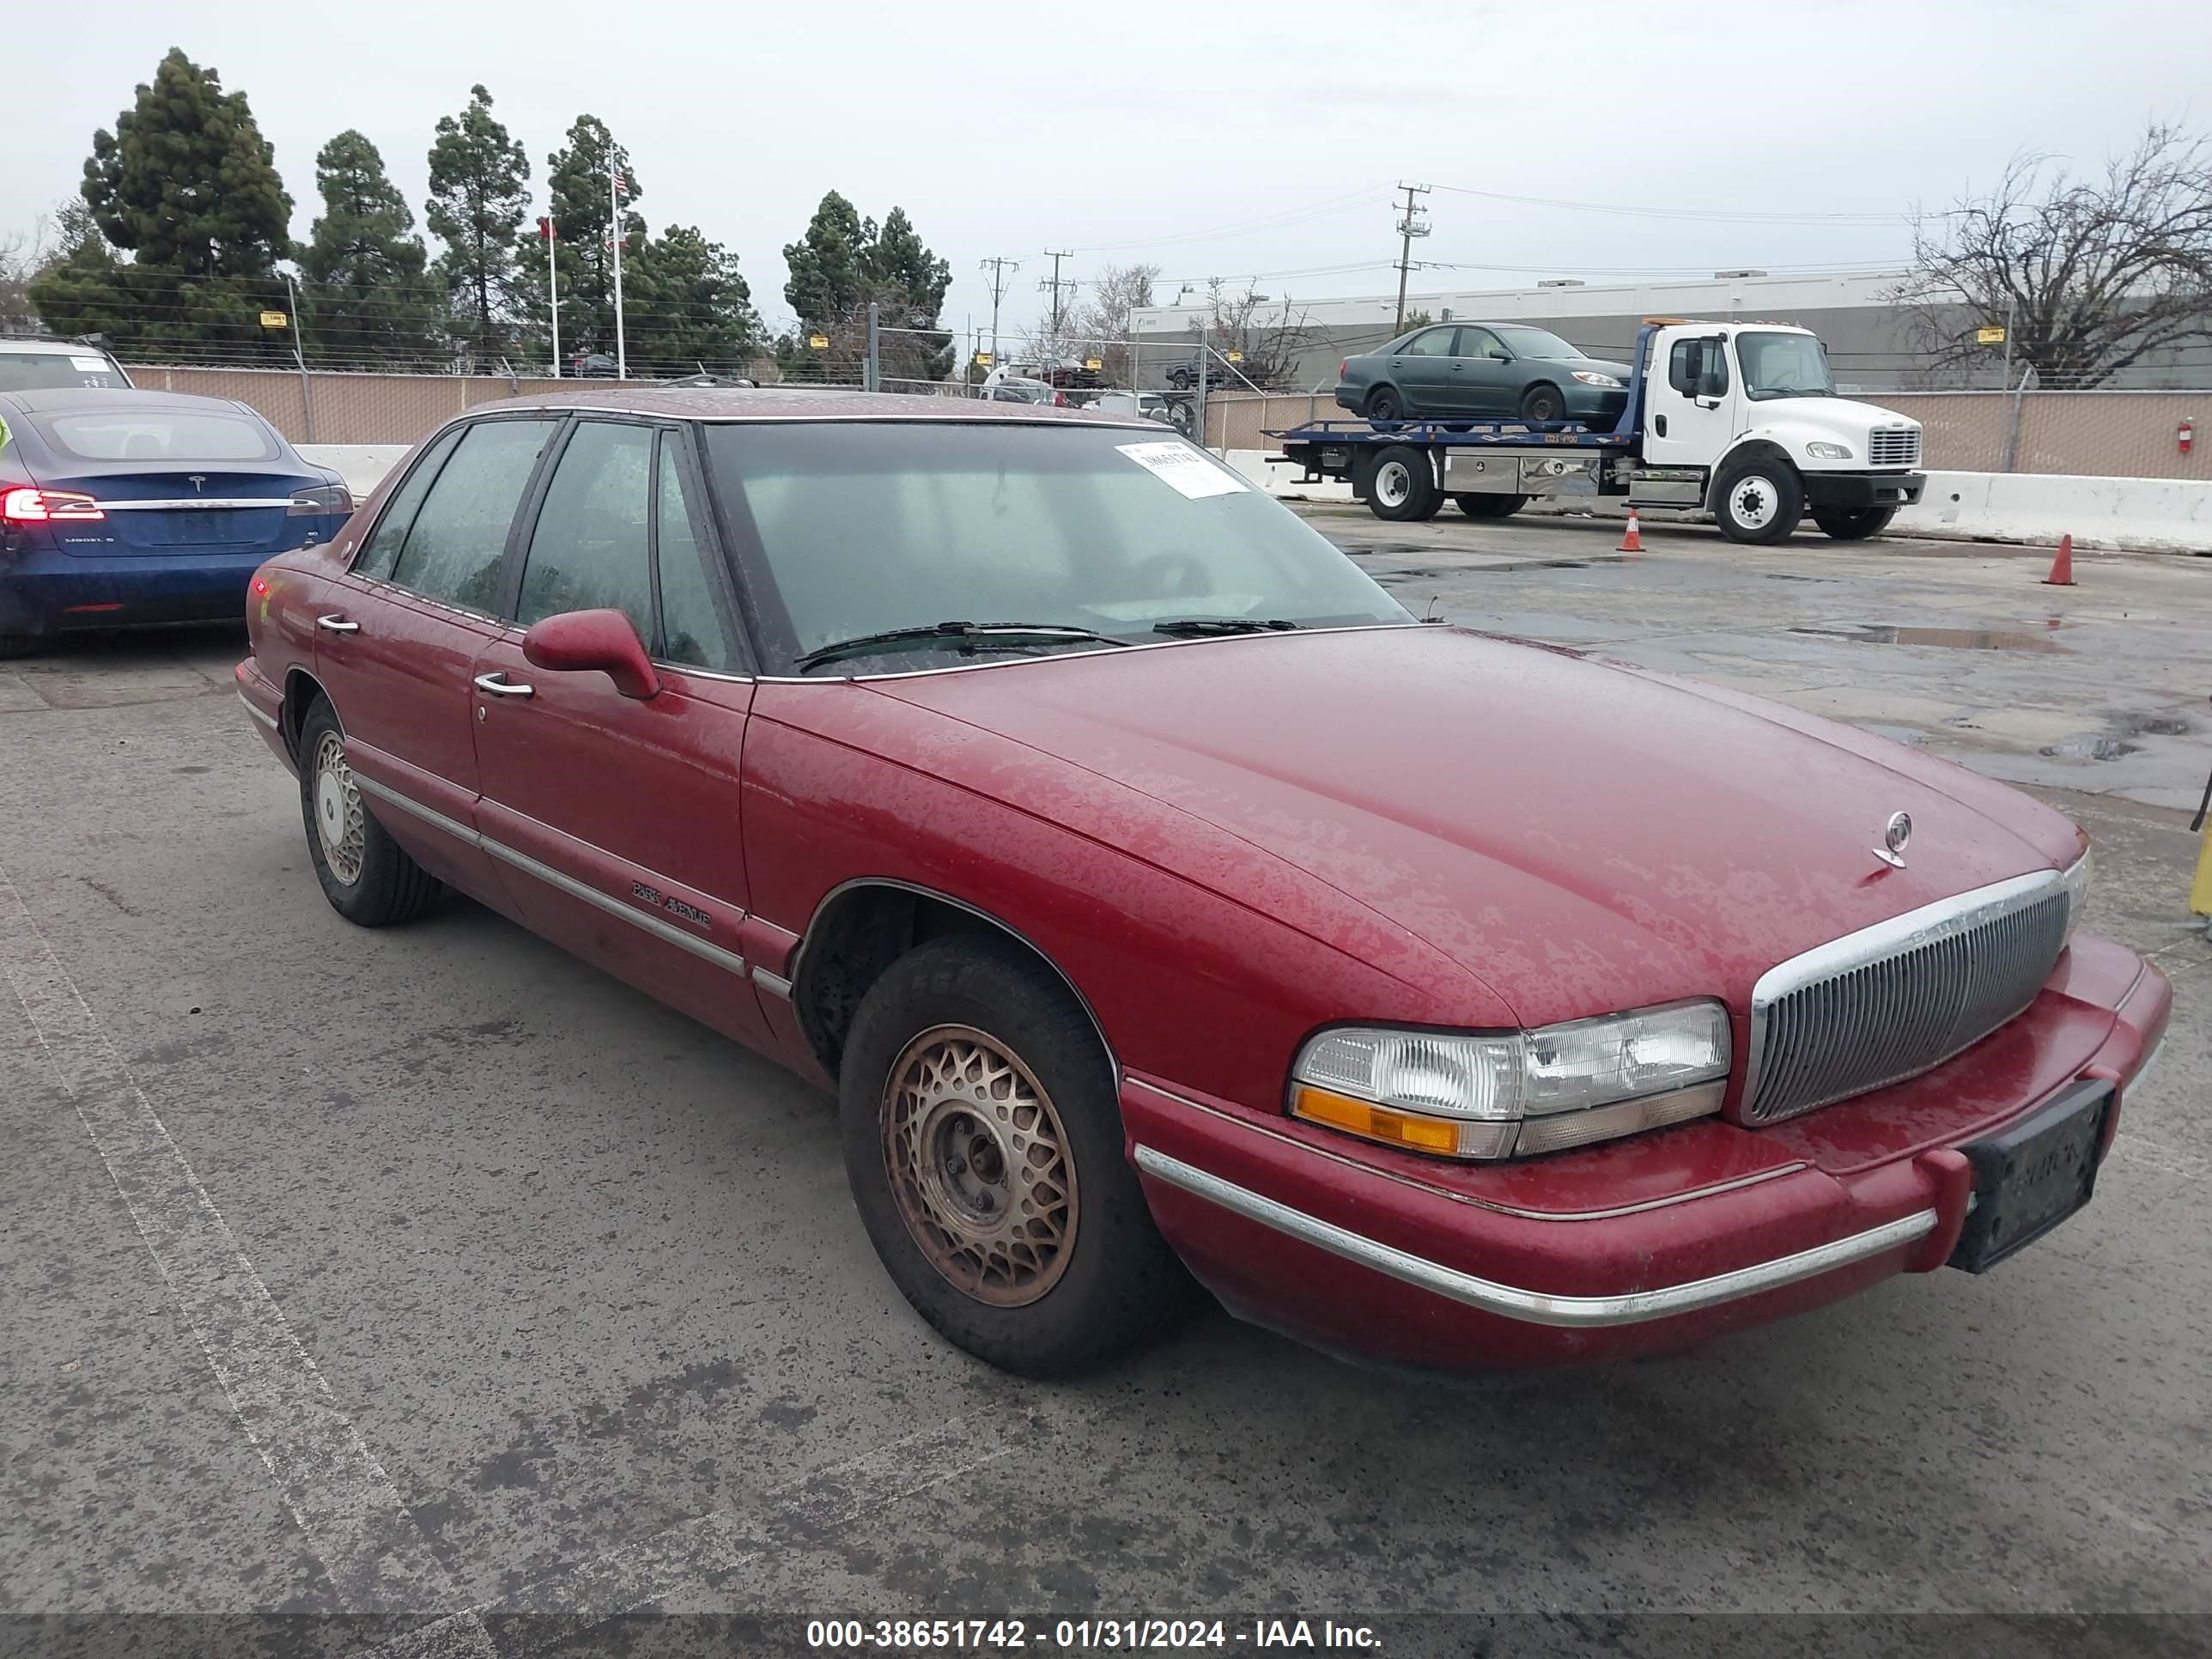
(578, 641)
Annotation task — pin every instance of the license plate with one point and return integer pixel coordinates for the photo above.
(2030, 1177)
(210, 526)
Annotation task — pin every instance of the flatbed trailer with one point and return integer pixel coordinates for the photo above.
(1757, 459)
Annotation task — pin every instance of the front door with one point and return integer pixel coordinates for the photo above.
(1691, 395)
(1486, 374)
(396, 635)
(613, 820)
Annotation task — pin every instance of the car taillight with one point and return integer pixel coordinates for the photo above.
(1342, 366)
(328, 498)
(30, 505)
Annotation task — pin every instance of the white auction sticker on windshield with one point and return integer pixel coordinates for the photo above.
(89, 365)
(1184, 470)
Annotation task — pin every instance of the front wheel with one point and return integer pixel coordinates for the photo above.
(1759, 500)
(1481, 504)
(1541, 404)
(982, 1138)
(1403, 488)
(1855, 527)
(364, 873)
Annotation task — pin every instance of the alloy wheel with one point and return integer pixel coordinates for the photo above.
(979, 1166)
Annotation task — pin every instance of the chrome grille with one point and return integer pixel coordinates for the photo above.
(1900, 998)
(1893, 445)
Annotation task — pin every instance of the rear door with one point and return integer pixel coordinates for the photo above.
(404, 625)
(614, 819)
(1422, 372)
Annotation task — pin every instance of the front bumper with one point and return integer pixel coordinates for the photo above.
(1365, 1256)
(1858, 492)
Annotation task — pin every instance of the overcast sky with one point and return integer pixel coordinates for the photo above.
(1238, 140)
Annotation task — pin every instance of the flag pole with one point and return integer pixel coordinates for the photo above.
(546, 227)
(614, 236)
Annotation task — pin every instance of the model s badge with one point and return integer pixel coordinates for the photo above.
(1894, 835)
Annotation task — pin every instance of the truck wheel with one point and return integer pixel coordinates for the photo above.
(1179, 379)
(1404, 486)
(1384, 405)
(1483, 505)
(983, 1141)
(1856, 527)
(1758, 501)
(1543, 403)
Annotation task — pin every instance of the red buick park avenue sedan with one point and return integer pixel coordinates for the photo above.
(1158, 895)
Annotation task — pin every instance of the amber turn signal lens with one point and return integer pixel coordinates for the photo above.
(1359, 1117)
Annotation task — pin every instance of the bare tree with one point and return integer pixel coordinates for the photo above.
(1102, 321)
(25, 255)
(2095, 274)
(1264, 338)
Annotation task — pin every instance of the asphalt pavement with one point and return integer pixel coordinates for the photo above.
(425, 1287)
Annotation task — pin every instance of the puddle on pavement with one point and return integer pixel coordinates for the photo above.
(2088, 749)
(2111, 744)
(1960, 639)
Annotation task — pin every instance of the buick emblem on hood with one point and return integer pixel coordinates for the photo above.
(1894, 835)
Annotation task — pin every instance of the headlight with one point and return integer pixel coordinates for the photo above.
(1591, 377)
(1474, 1094)
(1829, 452)
(2076, 883)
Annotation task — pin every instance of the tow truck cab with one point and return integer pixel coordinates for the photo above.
(1743, 421)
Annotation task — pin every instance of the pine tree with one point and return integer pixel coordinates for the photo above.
(187, 185)
(827, 264)
(841, 265)
(686, 307)
(578, 177)
(479, 198)
(365, 297)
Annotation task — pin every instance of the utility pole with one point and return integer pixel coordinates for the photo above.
(1411, 222)
(998, 267)
(1055, 285)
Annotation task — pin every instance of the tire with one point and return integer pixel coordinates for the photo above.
(366, 878)
(1856, 527)
(1384, 405)
(1179, 379)
(1478, 504)
(13, 646)
(1086, 1278)
(1543, 403)
(1758, 501)
(1403, 487)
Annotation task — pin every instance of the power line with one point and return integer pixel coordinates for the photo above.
(1717, 216)
(998, 266)
(1055, 285)
(1320, 209)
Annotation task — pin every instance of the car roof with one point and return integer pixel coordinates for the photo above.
(779, 403)
(63, 399)
(54, 348)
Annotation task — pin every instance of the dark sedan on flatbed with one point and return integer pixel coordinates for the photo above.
(1159, 898)
(1493, 371)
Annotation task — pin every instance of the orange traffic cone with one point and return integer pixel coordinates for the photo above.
(1633, 541)
(2062, 567)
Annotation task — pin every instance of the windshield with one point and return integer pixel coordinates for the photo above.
(1784, 366)
(862, 527)
(1523, 341)
(37, 371)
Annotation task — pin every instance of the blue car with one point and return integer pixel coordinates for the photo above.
(121, 508)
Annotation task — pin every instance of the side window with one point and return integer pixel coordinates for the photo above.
(1690, 361)
(1437, 343)
(589, 549)
(452, 549)
(1479, 343)
(381, 550)
(691, 627)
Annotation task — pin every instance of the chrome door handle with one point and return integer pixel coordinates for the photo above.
(497, 684)
(337, 623)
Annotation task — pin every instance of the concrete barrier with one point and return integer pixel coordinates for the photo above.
(362, 465)
(2139, 515)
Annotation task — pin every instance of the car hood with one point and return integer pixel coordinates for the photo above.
(1829, 414)
(1579, 837)
(1620, 372)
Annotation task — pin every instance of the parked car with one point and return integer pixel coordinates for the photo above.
(32, 365)
(1156, 892)
(1014, 390)
(1500, 370)
(1152, 405)
(123, 509)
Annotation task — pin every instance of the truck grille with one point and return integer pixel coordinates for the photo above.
(1900, 998)
(1893, 445)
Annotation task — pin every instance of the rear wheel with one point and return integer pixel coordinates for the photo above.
(1543, 403)
(18, 645)
(1404, 486)
(1479, 504)
(1759, 500)
(1383, 403)
(366, 878)
(982, 1139)
(1856, 527)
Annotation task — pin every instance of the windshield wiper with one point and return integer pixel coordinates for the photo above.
(967, 635)
(1195, 628)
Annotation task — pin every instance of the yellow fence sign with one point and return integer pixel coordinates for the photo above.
(273, 319)
(1994, 334)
